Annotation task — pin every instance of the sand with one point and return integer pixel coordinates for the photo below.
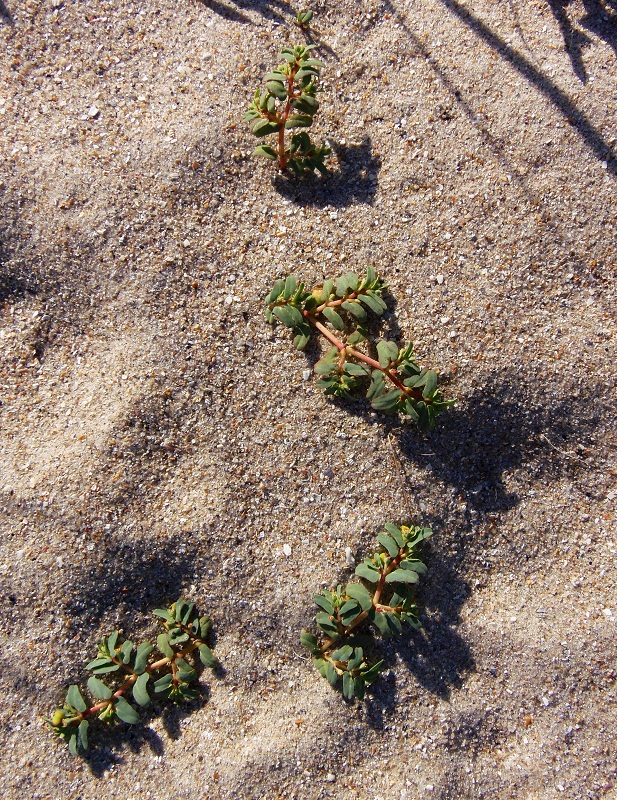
(160, 438)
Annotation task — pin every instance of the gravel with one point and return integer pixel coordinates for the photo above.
(158, 437)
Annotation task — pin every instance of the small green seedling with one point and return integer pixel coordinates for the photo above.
(287, 103)
(395, 381)
(350, 617)
(137, 671)
(303, 20)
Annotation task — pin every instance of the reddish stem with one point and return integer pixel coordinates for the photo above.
(362, 357)
(361, 617)
(131, 680)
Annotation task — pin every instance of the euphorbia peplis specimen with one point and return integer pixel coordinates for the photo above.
(132, 669)
(396, 382)
(289, 102)
(386, 604)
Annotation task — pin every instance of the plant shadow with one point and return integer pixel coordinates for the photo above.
(5, 14)
(435, 655)
(594, 140)
(600, 19)
(355, 182)
(130, 577)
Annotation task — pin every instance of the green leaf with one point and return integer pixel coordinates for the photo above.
(395, 533)
(204, 626)
(334, 318)
(386, 401)
(348, 686)
(349, 611)
(301, 340)
(296, 121)
(431, 384)
(416, 566)
(309, 641)
(328, 363)
(98, 689)
(277, 89)
(410, 409)
(73, 743)
(141, 657)
(368, 573)
(361, 594)
(82, 734)
(74, 699)
(326, 291)
(291, 285)
(356, 370)
(126, 651)
(179, 608)
(387, 352)
(286, 316)
(354, 307)
(111, 642)
(177, 636)
(389, 544)
(275, 76)
(359, 686)
(370, 675)
(321, 665)
(374, 302)
(163, 613)
(342, 654)
(402, 576)
(163, 645)
(331, 674)
(304, 107)
(101, 666)
(356, 659)
(377, 386)
(265, 150)
(263, 127)
(381, 623)
(324, 603)
(206, 656)
(126, 712)
(140, 692)
(163, 683)
(185, 671)
(274, 295)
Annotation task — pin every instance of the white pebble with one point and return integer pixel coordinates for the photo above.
(306, 374)
(93, 112)
(287, 549)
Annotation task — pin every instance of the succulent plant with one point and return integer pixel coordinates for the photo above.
(339, 311)
(137, 671)
(288, 103)
(350, 616)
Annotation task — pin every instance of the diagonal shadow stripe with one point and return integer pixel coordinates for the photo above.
(559, 98)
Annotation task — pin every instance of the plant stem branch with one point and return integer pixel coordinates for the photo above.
(417, 395)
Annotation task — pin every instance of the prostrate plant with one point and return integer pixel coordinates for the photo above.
(288, 102)
(386, 605)
(134, 668)
(396, 384)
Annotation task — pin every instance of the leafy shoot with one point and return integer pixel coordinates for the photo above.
(142, 671)
(339, 311)
(350, 617)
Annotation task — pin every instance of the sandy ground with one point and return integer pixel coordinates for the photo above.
(158, 437)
